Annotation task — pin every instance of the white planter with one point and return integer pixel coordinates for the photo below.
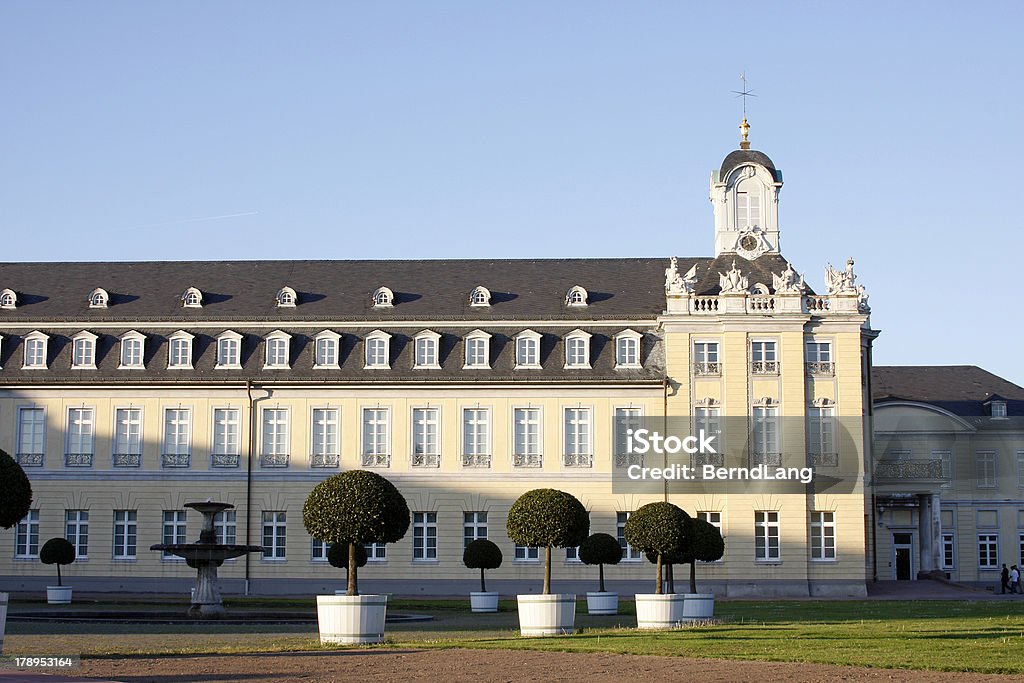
(659, 611)
(547, 615)
(483, 602)
(58, 595)
(698, 606)
(602, 603)
(351, 619)
(3, 619)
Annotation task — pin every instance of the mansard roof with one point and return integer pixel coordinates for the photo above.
(961, 389)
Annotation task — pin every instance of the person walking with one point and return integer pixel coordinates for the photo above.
(1004, 579)
(1014, 579)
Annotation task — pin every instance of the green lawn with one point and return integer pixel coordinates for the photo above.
(952, 636)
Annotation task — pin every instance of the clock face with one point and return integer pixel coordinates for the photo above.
(748, 243)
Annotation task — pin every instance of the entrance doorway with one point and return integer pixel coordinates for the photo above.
(903, 556)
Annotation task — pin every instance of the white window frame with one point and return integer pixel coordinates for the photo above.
(625, 418)
(31, 435)
(476, 436)
(124, 443)
(525, 553)
(131, 342)
(477, 351)
(8, 300)
(988, 550)
(577, 350)
(375, 436)
(325, 436)
(1020, 474)
(765, 433)
(126, 525)
(427, 351)
(997, 410)
(986, 469)
(229, 343)
(577, 296)
(767, 527)
(275, 436)
(527, 338)
(629, 553)
(383, 297)
(823, 535)
(36, 350)
(425, 436)
(527, 444)
(274, 528)
(176, 441)
(376, 552)
(748, 203)
(318, 550)
(946, 457)
(377, 351)
(225, 526)
(26, 536)
(80, 439)
(174, 530)
(821, 431)
(192, 298)
(76, 531)
(286, 297)
(480, 296)
(764, 356)
(83, 351)
(179, 339)
(277, 351)
(714, 518)
(578, 436)
(627, 350)
(225, 436)
(424, 536)
(474, 527)
(948, 549)
(98, 298)
(327, 350)
(707, 357)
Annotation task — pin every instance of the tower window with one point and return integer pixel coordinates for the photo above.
(748, 204)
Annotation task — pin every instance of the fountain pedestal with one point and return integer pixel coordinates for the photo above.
(205, 556)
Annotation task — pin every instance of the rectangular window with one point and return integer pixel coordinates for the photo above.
(629, 553)
(35, 353)
(985, 462)
(180, 353)
(125, 533)
(708, 420)
(474, 527)
(1020, 470)
(377, 352)
(31, 436)
(988, 551)
(748, 210)
(526, 438)
(326, 449)
(823, 536)
(818, 357)
(127, 437)
(131, 353)
(476, 437)
(766, 436)
(226, 442)
(81, 435)
(277, 352)
(763, 358)
(274, 445)
(174, 530)
(26, 536)
(177, 437)
(225, 526)
(426, 450)
(578, 444)
(946, 458)
(76, 530)
(527, 352)
(424, 536)
(327, 352)
(766, 536)
(625, 420)
(83, 354)
(476, 353)
(705, 359)
(1020, 542)
(627, 352)
(274, 534)
(376, 552)
(376, 437)
(577, 352)
(318, 553)
(426, 352)
(821, 433)
(948, 551)
(227, 353)
(525, 553)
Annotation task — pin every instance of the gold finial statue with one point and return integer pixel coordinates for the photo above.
(745, 129)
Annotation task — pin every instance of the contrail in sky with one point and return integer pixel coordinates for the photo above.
(200, 220)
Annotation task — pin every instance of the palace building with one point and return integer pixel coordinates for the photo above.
(130, 389)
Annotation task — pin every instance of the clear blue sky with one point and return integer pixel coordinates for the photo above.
(529, 129)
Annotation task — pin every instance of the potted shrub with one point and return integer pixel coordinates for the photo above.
(337, 556)
(58, 551)
(601, 549)
(547, 518)
(356, 507)
(658, 529)
(15, 502)
(704, 544)
(482, 554)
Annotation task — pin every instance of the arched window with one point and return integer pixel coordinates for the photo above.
(478, 349)
(627, 349)
(98, 298)
(527, 350)
(326, 350)
(286, 298)
(278, 347)
(192, 298)
(748, 203)
(577, 296)
(426, 356)
(229, 345)
(378, 350)
(179, 351)
(577, 349)
(132, 350)
(8, 299)
(383, 298)
(480, 296)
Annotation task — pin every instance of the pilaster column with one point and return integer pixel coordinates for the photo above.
(924, 527)
(936, 524)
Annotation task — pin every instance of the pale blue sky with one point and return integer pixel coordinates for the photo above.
(532, 129)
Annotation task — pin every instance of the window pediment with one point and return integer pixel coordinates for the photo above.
(8, 299)
(286, 297)
(192, 298)
(576, 296)
(480, 296)
(383, 298)
(99, 298)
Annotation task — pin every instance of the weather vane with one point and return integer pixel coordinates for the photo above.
(744, 93)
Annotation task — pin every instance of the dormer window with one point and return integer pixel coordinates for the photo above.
(326, 350)
(527, 350)
(98, 298)
(998, 409)
(132, 349)
(35, 351)
(179, 351)
(480, 296)
(229, 350)
(427, 344)
(627, 349)
(277, 347)
(83, 351)
(378, 350)
(8, 299)
(577, 349)
(286, 298)
(577, 296)
(478, 350)
(192, 298)
(383, 298)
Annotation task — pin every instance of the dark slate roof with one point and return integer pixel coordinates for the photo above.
(757, 271)
(739, 157)
(961, 389)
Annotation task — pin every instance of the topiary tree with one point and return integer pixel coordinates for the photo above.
(337, 556)
(15, 492)
(356, 507)
(482, 554)
(547, 517)
(704, 544)
(658, 529)
(57, 551)
(668, 561)
(600, 549)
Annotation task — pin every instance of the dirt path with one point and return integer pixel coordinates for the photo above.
(478, 666)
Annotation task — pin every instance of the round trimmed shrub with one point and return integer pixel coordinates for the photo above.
(704, 545)
(657, 529)
(482, 554)
(546, 518)
(356, 507)
(15, 492)
(58, 551)
(600, 549)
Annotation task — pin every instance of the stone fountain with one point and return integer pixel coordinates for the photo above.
(205, 556)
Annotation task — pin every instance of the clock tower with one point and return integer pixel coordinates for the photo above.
(745, 194)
